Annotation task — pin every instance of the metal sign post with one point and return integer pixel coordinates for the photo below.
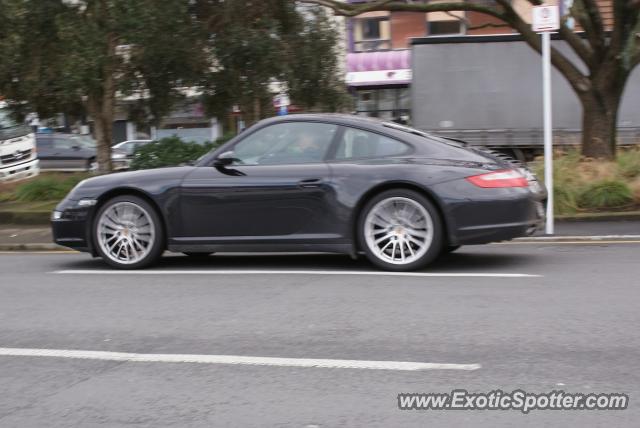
(545, 20)
(548, 131)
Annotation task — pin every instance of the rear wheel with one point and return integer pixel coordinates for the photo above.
(128, 233)
(400, 230)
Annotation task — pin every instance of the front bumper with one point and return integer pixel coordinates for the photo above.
(70, 225)
(20, 171)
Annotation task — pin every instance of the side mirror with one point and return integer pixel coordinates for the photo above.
(224, 159)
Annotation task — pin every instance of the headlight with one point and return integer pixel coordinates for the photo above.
(56, 215)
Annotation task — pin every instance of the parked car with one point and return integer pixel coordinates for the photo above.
(130, 146)
(331, 183)
(122, 153)
(71, 152)
(18, 157)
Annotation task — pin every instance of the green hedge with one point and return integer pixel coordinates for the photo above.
(46, 188)
(172, 152)
(605, 194)
(588, 185)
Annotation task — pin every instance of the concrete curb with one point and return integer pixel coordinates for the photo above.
(32, 248)
(25, 218)
(608, 216)
(578, 238)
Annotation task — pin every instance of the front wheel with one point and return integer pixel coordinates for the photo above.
(400, 230)
(128, 233)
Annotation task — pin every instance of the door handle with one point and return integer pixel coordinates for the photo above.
(310, 182)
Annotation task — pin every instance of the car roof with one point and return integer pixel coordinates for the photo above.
(134, 141)
(340, 118)
(393, 129)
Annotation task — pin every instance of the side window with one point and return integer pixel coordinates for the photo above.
(357, 143)
(63, 143)
(129, 148)
(286, 143)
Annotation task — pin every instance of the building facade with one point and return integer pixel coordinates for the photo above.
(378, 59)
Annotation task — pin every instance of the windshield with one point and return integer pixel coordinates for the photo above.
(6, 121)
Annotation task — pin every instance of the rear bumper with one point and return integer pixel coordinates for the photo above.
(481, 216)
(19, 171)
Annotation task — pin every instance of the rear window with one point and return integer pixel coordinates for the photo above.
(357, 144)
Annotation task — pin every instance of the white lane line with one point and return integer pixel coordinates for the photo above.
(233, 359)
(596, 242)
(292, 272)
(579, 237)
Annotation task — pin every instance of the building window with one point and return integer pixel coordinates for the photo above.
(441, 28)
(371, 28)
(372, 34)
(386, 103)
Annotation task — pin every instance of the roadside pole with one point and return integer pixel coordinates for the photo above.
(548, 129)
(545, 20)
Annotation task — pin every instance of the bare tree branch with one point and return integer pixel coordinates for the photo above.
(468, 25)
(582, 49)
(575, 77)
(354, 9)
(588, 16)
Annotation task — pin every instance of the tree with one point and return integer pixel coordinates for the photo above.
(258, 43)
(85, 52)
(606, 58)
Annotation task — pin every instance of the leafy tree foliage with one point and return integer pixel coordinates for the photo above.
(60, 54)
(78, 56)
(257, 43)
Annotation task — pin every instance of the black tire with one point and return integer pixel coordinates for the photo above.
(433, 250)
(197, 255)
(158, 246)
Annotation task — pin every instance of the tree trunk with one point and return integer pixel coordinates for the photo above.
(599, 125)
(102, 126)
(103, 113)
(256, 109)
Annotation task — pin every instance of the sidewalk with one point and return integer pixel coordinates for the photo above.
(32, 238)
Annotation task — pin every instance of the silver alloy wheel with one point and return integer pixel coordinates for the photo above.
(125, 232)
(398, 230)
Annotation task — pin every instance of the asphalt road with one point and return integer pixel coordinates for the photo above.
(572, 327)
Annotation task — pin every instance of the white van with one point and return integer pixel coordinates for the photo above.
(18, 156)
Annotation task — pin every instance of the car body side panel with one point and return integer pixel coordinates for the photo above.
(257, 202)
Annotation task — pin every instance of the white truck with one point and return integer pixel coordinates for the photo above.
(18, 154)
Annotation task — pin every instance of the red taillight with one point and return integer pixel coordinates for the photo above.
(503, 178)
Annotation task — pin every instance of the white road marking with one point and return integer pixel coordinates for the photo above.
(595, 242)
(292, 272)
(233, 359)
(580, 237)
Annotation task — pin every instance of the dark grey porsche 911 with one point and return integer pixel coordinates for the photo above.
(329, 183)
